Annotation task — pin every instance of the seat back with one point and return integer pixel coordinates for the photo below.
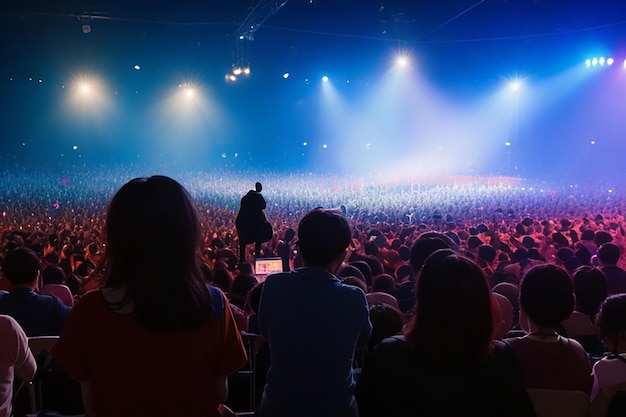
(60, 291)
(608, 400)
(38, 344)
(553, 402)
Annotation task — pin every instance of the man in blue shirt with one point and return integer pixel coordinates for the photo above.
(38, 315)
(314, 324)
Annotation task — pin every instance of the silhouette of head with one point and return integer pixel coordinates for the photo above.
(258, 187)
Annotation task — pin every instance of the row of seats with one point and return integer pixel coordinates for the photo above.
(550, 402)
(547, 402)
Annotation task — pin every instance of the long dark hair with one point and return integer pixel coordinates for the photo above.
(152, 240)
(453, 311)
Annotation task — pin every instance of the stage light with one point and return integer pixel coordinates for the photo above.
(515, 84)
(75, 147)
(231, 77)
(601, 60)
(625, 63)
(85, 88)
(325, 78)
(588, 63)
(137, 67)
(593, 142)
(402, 60)
(246, 70)
(286, 75)
(594, 61)
(237, 71)
(507, 144)
(610, 61)
(189, 92)
(325, 146)
(305, 143)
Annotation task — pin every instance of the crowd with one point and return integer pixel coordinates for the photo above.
(546, 262)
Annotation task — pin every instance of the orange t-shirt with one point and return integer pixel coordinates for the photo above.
(137, 372)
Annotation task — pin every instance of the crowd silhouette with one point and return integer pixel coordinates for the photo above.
(540, 266)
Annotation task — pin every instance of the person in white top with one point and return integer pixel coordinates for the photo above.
(15, 359)
(611, 322)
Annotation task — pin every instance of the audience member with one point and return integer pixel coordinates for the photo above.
(314, 324)
(449, 341)
(608, 257)
(547, 359)
(38, 315)
(16, 359)
(155, 330)
(611, 322)
(590, 290)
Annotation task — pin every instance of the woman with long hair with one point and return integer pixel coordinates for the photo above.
(155, 339)
(446, 363)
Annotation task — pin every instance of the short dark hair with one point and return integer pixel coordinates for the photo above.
(611, 319)
(52, 274)
(425, 245)
(547, 294)
(383, 283)
(590, 288)
(21, 266)
(609, 253)
(323, 236)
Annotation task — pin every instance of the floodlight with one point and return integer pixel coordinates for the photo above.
(402, 60)
(515, 85)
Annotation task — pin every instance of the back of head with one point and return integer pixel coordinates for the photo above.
(611, 320)
(240, 287)
(258, 187)
(425, 245)
(487, 253)
(52, 274)
(453, 304)
(601, 237)
(590, 288)
(547, 294)
(609, 254)
(383, 283)
(365, 268)
(386, 322)
(351, 271)
(323, 237)
(21, 266)
(222, 279)
(153, 234)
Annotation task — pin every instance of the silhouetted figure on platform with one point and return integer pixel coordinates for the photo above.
(252, 226)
